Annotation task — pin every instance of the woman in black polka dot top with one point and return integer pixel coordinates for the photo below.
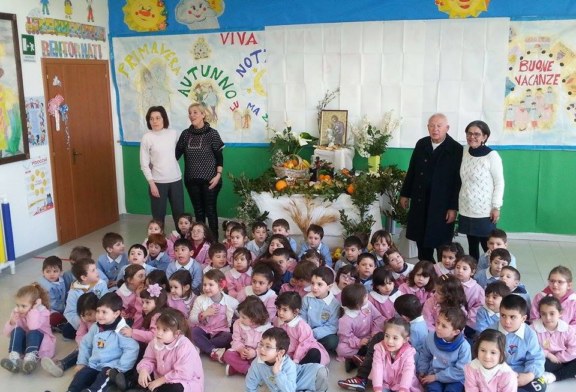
(202, 147)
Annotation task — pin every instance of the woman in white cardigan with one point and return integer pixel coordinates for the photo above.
(482, 188)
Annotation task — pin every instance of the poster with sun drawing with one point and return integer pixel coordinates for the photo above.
(223, 71)
(540, 103)
(38, 185)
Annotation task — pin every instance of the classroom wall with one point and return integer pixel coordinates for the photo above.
(34, 232)
(539, 184)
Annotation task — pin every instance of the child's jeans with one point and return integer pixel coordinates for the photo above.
(437, 386)
(536, 385)
(25, 342)
(90, 379)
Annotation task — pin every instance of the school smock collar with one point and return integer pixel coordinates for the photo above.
(520, 332)
(116, 325)
(84, 287)
(187, 266)
(158, 256)
(335, 290)
(471, 282)
(380, 298)
(260, 328)
(540, 328)
(292, 323)
(417, 320)
(489, 275)
(249, 291)
(159, 346)
(488, 374)
(124, 291)
(117, 260)
(353, 313)
(443, 270)
(327, 300)
(235, 274)
(570, 295)
(490, 312)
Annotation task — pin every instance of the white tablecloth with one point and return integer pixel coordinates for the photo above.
(340, 158)
(300, 211)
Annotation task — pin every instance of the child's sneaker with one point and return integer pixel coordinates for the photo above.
(230, 371)
(54, 367)
(13, 363)
(549, 377)
(217, 354)
(353, 384)
(322, 379)
(30, 362)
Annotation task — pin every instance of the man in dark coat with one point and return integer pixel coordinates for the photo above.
(431, 185)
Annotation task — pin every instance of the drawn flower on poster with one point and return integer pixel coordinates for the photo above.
(462, 8)
(145, 15)
(199, 14)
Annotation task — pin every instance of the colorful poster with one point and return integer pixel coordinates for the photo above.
(223, 71)
(36, 121)
(38, 185)
(540, 104)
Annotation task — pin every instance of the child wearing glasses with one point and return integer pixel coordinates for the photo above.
(560, 287)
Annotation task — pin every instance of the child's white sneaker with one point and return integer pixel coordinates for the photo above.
(54, 367)
(30, 362)
(13, 363)
(549, 377)
(322, 379)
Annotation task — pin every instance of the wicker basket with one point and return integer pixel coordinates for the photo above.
(292, 173)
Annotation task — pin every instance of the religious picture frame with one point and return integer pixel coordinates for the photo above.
(13, 130)
(333, 127)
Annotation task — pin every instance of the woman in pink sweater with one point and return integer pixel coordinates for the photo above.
(171, 358)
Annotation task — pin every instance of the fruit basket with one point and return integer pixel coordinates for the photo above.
(294, 167)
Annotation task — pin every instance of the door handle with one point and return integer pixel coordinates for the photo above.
(74, 155)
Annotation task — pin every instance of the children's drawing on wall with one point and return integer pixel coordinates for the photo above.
(462, 8)
(45, 9)
(152, 85)
(90, 9)
(145, 15)
(541, 84)
(204, 92)
(199, 14)
(38, 185)
(68, 9)
(10, 131)
(200, 49)
(36, 121)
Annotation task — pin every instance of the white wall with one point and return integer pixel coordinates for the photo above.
(34, 232)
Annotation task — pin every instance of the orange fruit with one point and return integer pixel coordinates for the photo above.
(351, 189)
(281, 185)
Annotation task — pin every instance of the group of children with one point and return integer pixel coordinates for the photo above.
(274, 312)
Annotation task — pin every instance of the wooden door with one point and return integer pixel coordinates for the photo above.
(83, 168)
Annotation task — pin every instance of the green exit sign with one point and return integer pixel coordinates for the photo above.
(28, 45)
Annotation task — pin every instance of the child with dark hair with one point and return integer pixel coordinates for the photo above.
(449, 255)
(238, 239)
(489, 313)
(282, 227)
(278, 241)
(154, 300)
(227, 225)
(399, 267)
(320, 308)
(448, 292)
(511, 276)
(559, 287)
(352, 249)
(300, 282)
(53, 283)
(558, 340)
(420, 281)
(313, 256)
(184, 261)
(445, 352)
(489, 371)
(137, 255)
(258, 243)
(201, 238)
(381, 241)
(217, 258)
(87, 304)
(87, 280)
(344, 276)
(314, 236)
(359, 322)
(261, 286)
(159, 277)
(365, 268)
(114, 259)
(158, 256)
(496, 239)
(281, 257)
(274, 368)
(130, 290)
(464, 271)
(240, 276)
(181, 295)
(499, 258)
(384, 292)
(246, 333)
(406, 306)
(104, 348)
(171, 362)
(304, 348)
(77, 253)
(525, 356)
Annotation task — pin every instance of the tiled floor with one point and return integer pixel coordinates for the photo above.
(535, 259)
